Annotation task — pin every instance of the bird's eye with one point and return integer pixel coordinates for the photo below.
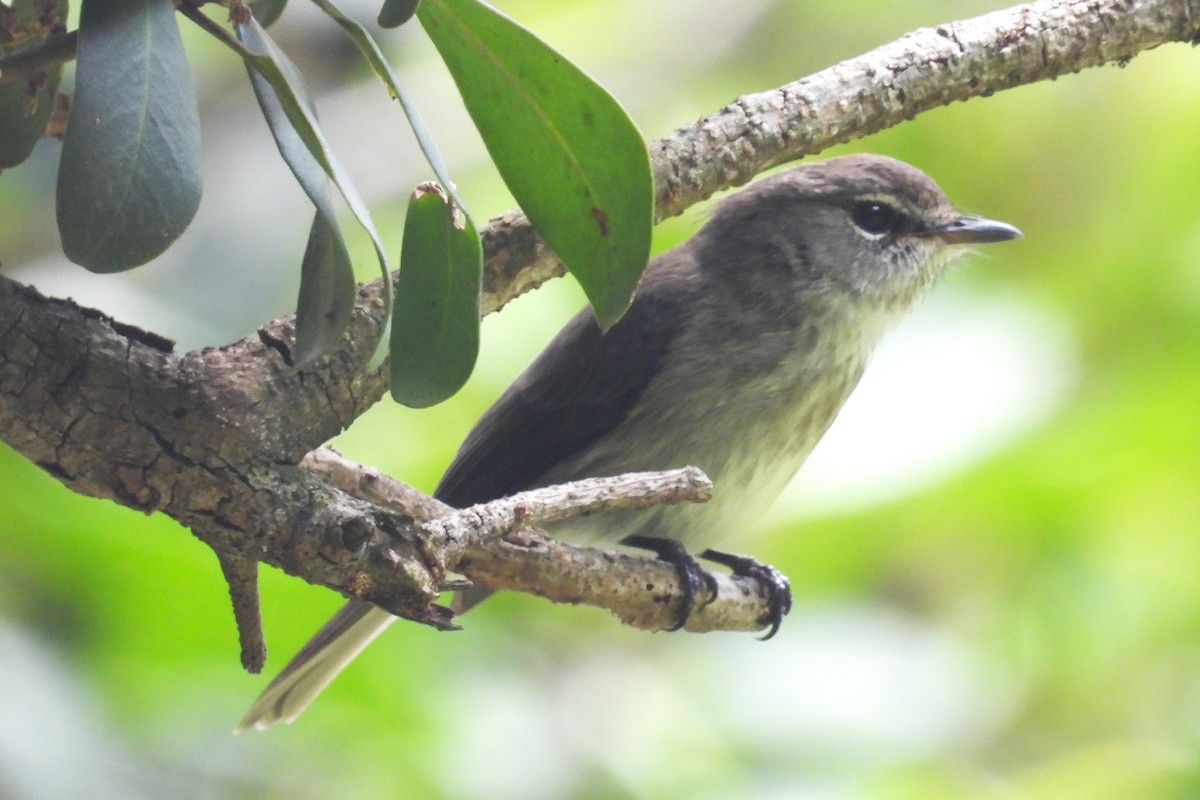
(875, 218)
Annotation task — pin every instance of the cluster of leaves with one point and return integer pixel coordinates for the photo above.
(129, 178)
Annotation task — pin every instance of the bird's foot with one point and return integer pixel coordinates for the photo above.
(773, 583)
(690, 573)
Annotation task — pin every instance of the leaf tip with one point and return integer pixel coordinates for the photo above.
(395, 13)
(458, 219)
(610, 310)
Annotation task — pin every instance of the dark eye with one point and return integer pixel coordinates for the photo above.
(875, 218)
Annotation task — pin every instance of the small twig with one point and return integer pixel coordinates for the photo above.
(635, 490)
(208, 26)
(372, 485)
(241, 574)
(642, 592)
(449, 530)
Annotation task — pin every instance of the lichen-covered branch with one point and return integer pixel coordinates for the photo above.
(642, 593)
(492, 544)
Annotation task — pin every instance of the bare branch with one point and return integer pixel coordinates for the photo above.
(642, 592)
(454, 530)
(461, 530)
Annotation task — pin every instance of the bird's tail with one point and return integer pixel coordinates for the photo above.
(466, 599)
(325, 655)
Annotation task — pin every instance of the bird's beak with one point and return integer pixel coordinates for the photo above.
(974, 230)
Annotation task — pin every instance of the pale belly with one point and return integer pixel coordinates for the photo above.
(750, 447)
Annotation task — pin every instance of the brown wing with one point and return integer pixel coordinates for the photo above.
(580, 387)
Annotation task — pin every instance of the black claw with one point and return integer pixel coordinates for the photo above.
(691, 575)
(773, 582)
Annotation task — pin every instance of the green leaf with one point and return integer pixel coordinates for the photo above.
(129, 178)
(568, 152)
(435, 329)
(326, 292)
(374, 56)
(293, 121)
(28, 16)
(267, 11)
(396, 12)
(25, 105)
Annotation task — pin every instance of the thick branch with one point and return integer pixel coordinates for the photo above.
(120, 418)
(925, 69)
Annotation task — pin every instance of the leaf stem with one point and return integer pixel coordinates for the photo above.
(212, 28)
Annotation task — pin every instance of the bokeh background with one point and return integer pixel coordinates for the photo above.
(996, 551)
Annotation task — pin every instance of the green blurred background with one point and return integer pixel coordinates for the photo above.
(994, 552)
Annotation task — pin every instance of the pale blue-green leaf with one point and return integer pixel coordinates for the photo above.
(129, 177)
(370, 49)
(326, 292)
(395, 13)
(569, 153)
(435, 327)
(293, 121)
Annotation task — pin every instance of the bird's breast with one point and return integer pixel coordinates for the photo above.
(750, 431)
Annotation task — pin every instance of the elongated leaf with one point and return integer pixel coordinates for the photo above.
(568, 152)
(370, 49)
(25, 106)
(435, 330)
(129, 179)
(326, 292)
(395, 13)
(267, 11)
(293, 121)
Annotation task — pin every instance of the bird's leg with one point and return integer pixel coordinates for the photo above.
(691, 575)
(773, 582)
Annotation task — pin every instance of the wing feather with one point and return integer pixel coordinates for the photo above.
(581, 386)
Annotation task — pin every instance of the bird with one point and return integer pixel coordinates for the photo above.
(739, 348)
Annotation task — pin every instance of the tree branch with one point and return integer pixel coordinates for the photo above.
(537, 564)
(925, 69)
(479, 543)
(215, 438)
